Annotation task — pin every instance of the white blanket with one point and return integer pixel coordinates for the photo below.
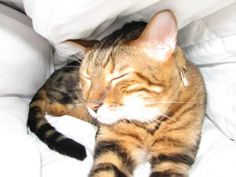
(61, 20)
(25, 63)
(215, 149)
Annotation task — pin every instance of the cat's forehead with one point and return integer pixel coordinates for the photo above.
(109, 58)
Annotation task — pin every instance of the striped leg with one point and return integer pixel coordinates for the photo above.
(172, 158)
(112, 160)
(175, 165)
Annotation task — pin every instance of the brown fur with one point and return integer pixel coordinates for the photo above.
(112, 71)
(170, 143)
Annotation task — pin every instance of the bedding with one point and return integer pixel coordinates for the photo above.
(24, 65)
(16, 4)
(210, 43)
(51, 21)
(207, 34)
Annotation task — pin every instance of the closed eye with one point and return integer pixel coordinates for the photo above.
(119, 77)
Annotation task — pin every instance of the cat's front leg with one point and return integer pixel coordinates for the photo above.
(171, 165)
(111, 160)
(172, 158)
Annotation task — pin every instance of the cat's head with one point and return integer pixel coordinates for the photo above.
(133, 79)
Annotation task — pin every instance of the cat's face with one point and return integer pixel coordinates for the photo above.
(127, 85)
(135, 80)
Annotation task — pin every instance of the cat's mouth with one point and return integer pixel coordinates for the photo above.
(105, 115)
(92, 112)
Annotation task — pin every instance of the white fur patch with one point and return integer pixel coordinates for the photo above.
(134, 108)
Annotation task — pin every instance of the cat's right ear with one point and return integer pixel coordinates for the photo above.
(159, 37)
(79, 45)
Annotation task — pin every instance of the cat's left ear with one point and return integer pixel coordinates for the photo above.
(79, 45)
(159, 38)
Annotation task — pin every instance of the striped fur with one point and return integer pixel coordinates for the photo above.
(148, 109)
(60, 95)
(117, 75)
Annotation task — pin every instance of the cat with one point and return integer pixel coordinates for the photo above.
(137, 86)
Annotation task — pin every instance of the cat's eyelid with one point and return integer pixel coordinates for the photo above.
(120, 76)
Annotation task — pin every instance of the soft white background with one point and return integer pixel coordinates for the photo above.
(207, 34)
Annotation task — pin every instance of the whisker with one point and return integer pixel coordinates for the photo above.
(158, 121)
(133, 124)
(75, 59)
(167, 102)
(170, 118)
(115, 125)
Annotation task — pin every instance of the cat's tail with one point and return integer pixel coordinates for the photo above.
(47, 133)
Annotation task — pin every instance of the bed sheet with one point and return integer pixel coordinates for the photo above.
(25, 65)
(215, 148)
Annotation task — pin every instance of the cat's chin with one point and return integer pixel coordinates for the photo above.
(107, 115)
(103, 115)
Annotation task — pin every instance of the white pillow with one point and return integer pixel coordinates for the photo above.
(211, 44)
(62, 20)
(16, 4)
(25, 63)
(19, 155)
(25, 56)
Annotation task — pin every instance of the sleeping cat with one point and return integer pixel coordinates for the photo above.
(136, 84)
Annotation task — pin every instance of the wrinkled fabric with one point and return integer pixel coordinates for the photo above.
(207, 35)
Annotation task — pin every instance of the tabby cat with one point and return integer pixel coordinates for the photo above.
(136, 84)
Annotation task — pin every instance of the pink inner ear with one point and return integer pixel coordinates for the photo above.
(159, 37)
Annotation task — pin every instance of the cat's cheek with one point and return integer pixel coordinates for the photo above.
(135, 109)
(142, 114)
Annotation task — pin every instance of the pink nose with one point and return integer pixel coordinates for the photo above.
(94, 106)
